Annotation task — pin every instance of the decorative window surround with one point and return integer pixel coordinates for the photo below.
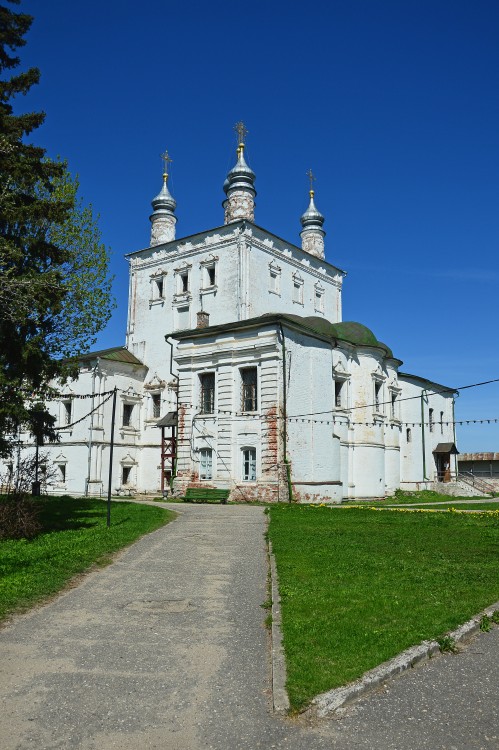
(275, 278)
(297, 289)
(319, 292)
(378, 399)
(157, 280)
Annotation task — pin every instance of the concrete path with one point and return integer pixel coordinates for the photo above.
(166, 648)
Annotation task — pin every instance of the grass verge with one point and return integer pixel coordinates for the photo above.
(74, 538)
(358, 586)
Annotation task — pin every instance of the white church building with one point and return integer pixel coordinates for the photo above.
(238, 372)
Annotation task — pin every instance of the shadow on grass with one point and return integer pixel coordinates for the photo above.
(65, 513)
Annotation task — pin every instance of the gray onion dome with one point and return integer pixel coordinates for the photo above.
(312, 218)
(164, 202)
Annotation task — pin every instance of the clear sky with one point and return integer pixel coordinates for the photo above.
(394, 104)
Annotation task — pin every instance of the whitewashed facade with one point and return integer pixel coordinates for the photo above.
(271, 344)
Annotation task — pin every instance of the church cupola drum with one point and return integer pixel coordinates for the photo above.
(163, 218)
(239, 185)
(312, 234)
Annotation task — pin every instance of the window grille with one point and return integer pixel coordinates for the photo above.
(249, 389)
(249, 464)
(431, 420)
(207, 380)
(156, 405)
(206, 463)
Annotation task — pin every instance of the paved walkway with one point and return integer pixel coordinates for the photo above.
(166, 648)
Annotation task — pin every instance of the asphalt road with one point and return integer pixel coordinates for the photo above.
(166, 648)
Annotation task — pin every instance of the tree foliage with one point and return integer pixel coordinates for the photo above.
(54, 291)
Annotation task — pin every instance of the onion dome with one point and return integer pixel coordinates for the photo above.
(164, 202)
(312, 218)
(239, 185)
(163, 218)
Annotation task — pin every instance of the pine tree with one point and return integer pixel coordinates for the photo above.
(40, 278)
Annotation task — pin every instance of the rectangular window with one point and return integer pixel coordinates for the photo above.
(249, 389)
(184, 282)
(319, 301)
(274, 282)
(338, 393)
(431, 420)
(66, 412)
(408, 435)
(125, 474)
(441, 423)
(62, 472)
(206, 463)
(249, 464)
(182, 318)
(207, 381)
(159, 287)
(393, 406)
(127, 415)
(156, 405)
(298, 292)
(377, 397)
(211, 275)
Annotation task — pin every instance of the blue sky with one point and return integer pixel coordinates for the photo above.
(394, 105)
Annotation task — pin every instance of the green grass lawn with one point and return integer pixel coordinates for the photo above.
(74, 538)
(402, 498)
(358, 586)
(459, 506)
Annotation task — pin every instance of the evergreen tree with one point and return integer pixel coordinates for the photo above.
(43, 230)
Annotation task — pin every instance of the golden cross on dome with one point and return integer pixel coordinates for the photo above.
(311, 177)
(241, 131)
(166, 160)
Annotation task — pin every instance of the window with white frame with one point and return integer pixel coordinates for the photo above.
(61, 471)
(249, 464)
(156, 405)
(67, 411)
(126, 474)
(159, 287)
(128, 415)
(340, 393)
(206, 463)
(378, 396)
(274, 279)
(393, 405)
(319, 299)
(183, 282)
(210, 275)
(298, 290)
(249, 389)
(207, 388)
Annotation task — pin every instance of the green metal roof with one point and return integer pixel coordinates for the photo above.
(115, 354)
(350, 332)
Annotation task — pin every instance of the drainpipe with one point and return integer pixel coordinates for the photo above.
(423, 435)
(174, 462)
(285, 414)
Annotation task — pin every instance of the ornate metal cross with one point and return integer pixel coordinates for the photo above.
(311, 177)
(241, 131)
(166, 160)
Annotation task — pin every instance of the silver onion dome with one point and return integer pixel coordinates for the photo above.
(312, 218)
(164, 202)
(241, 176)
